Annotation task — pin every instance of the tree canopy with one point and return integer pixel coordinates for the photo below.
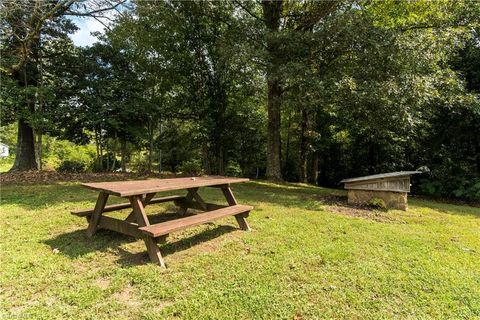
(309, 91)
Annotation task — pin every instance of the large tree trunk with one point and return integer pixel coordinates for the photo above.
(150, 145)
(303, 146)
(25, 158)
(274, 138)
(272, 15)
(316, 160)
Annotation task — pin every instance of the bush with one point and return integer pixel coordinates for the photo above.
(376, 203)
(233, 169)
(191, 167)
(139, 162)
(71, 166)
(451, 187)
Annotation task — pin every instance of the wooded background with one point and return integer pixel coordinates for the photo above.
(309, 91)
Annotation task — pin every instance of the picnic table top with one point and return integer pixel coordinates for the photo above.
(138, 187)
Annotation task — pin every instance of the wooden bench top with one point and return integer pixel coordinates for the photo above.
(167, 227)
(138, 187)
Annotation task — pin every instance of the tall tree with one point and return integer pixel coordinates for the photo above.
(23, 25)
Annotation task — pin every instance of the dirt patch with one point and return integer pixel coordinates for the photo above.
(42, 177)
(365, 213)
(329, 199)
(102, 283)
(127, 297)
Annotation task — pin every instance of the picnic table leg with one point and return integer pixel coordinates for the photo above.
(97, 213)
(189, 197)
(142, 220)
(242, 222)
(148, 197)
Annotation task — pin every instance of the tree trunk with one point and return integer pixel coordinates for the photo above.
(287, 147)
(97, 146)
(39, 149)
(316, 159)
(303, 146)
(160, 149)
(123, 148)
(100, 140)
(25, 154)
(274, 138)
(272, 15)
(150, 146)
(221, 162)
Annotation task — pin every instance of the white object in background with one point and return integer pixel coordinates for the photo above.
(4, 150)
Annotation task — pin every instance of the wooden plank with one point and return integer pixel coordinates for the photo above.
(115, 207)
(167, 227)
(185, 204)
(129, 188)
(97, 213)
(382, 176)
(242, 222)
(152, 248)
(120, 226)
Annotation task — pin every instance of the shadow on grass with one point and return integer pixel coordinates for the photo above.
(75, 244)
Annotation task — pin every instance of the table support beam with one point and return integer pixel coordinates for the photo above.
(148, 197)
(189, 197)
(142, 220)
(97, 213)
(242, 222)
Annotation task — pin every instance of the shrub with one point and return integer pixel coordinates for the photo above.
(376, 203)
(456, 187)
(233, 169)
(71, 166)
(191, 167)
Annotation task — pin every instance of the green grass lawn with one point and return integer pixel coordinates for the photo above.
(306, 258)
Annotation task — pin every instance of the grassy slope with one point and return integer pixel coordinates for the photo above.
(302, 260)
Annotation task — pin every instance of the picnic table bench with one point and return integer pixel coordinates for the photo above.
(141, 193)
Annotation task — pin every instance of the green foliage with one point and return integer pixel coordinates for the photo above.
(363, 88)
(138, 162)
(6, 163)
(376, 203)
(451, 187)
(233, 169)
(73, 166)
(191, 167)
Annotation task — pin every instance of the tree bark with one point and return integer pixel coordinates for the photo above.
(303, 146)
(315, 163)
(39, 145)
(271, 16)
(25, 154)
(150, 146)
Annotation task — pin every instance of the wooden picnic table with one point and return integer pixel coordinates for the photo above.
(141, 193)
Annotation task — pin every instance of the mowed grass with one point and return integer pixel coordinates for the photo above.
(304, 259)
